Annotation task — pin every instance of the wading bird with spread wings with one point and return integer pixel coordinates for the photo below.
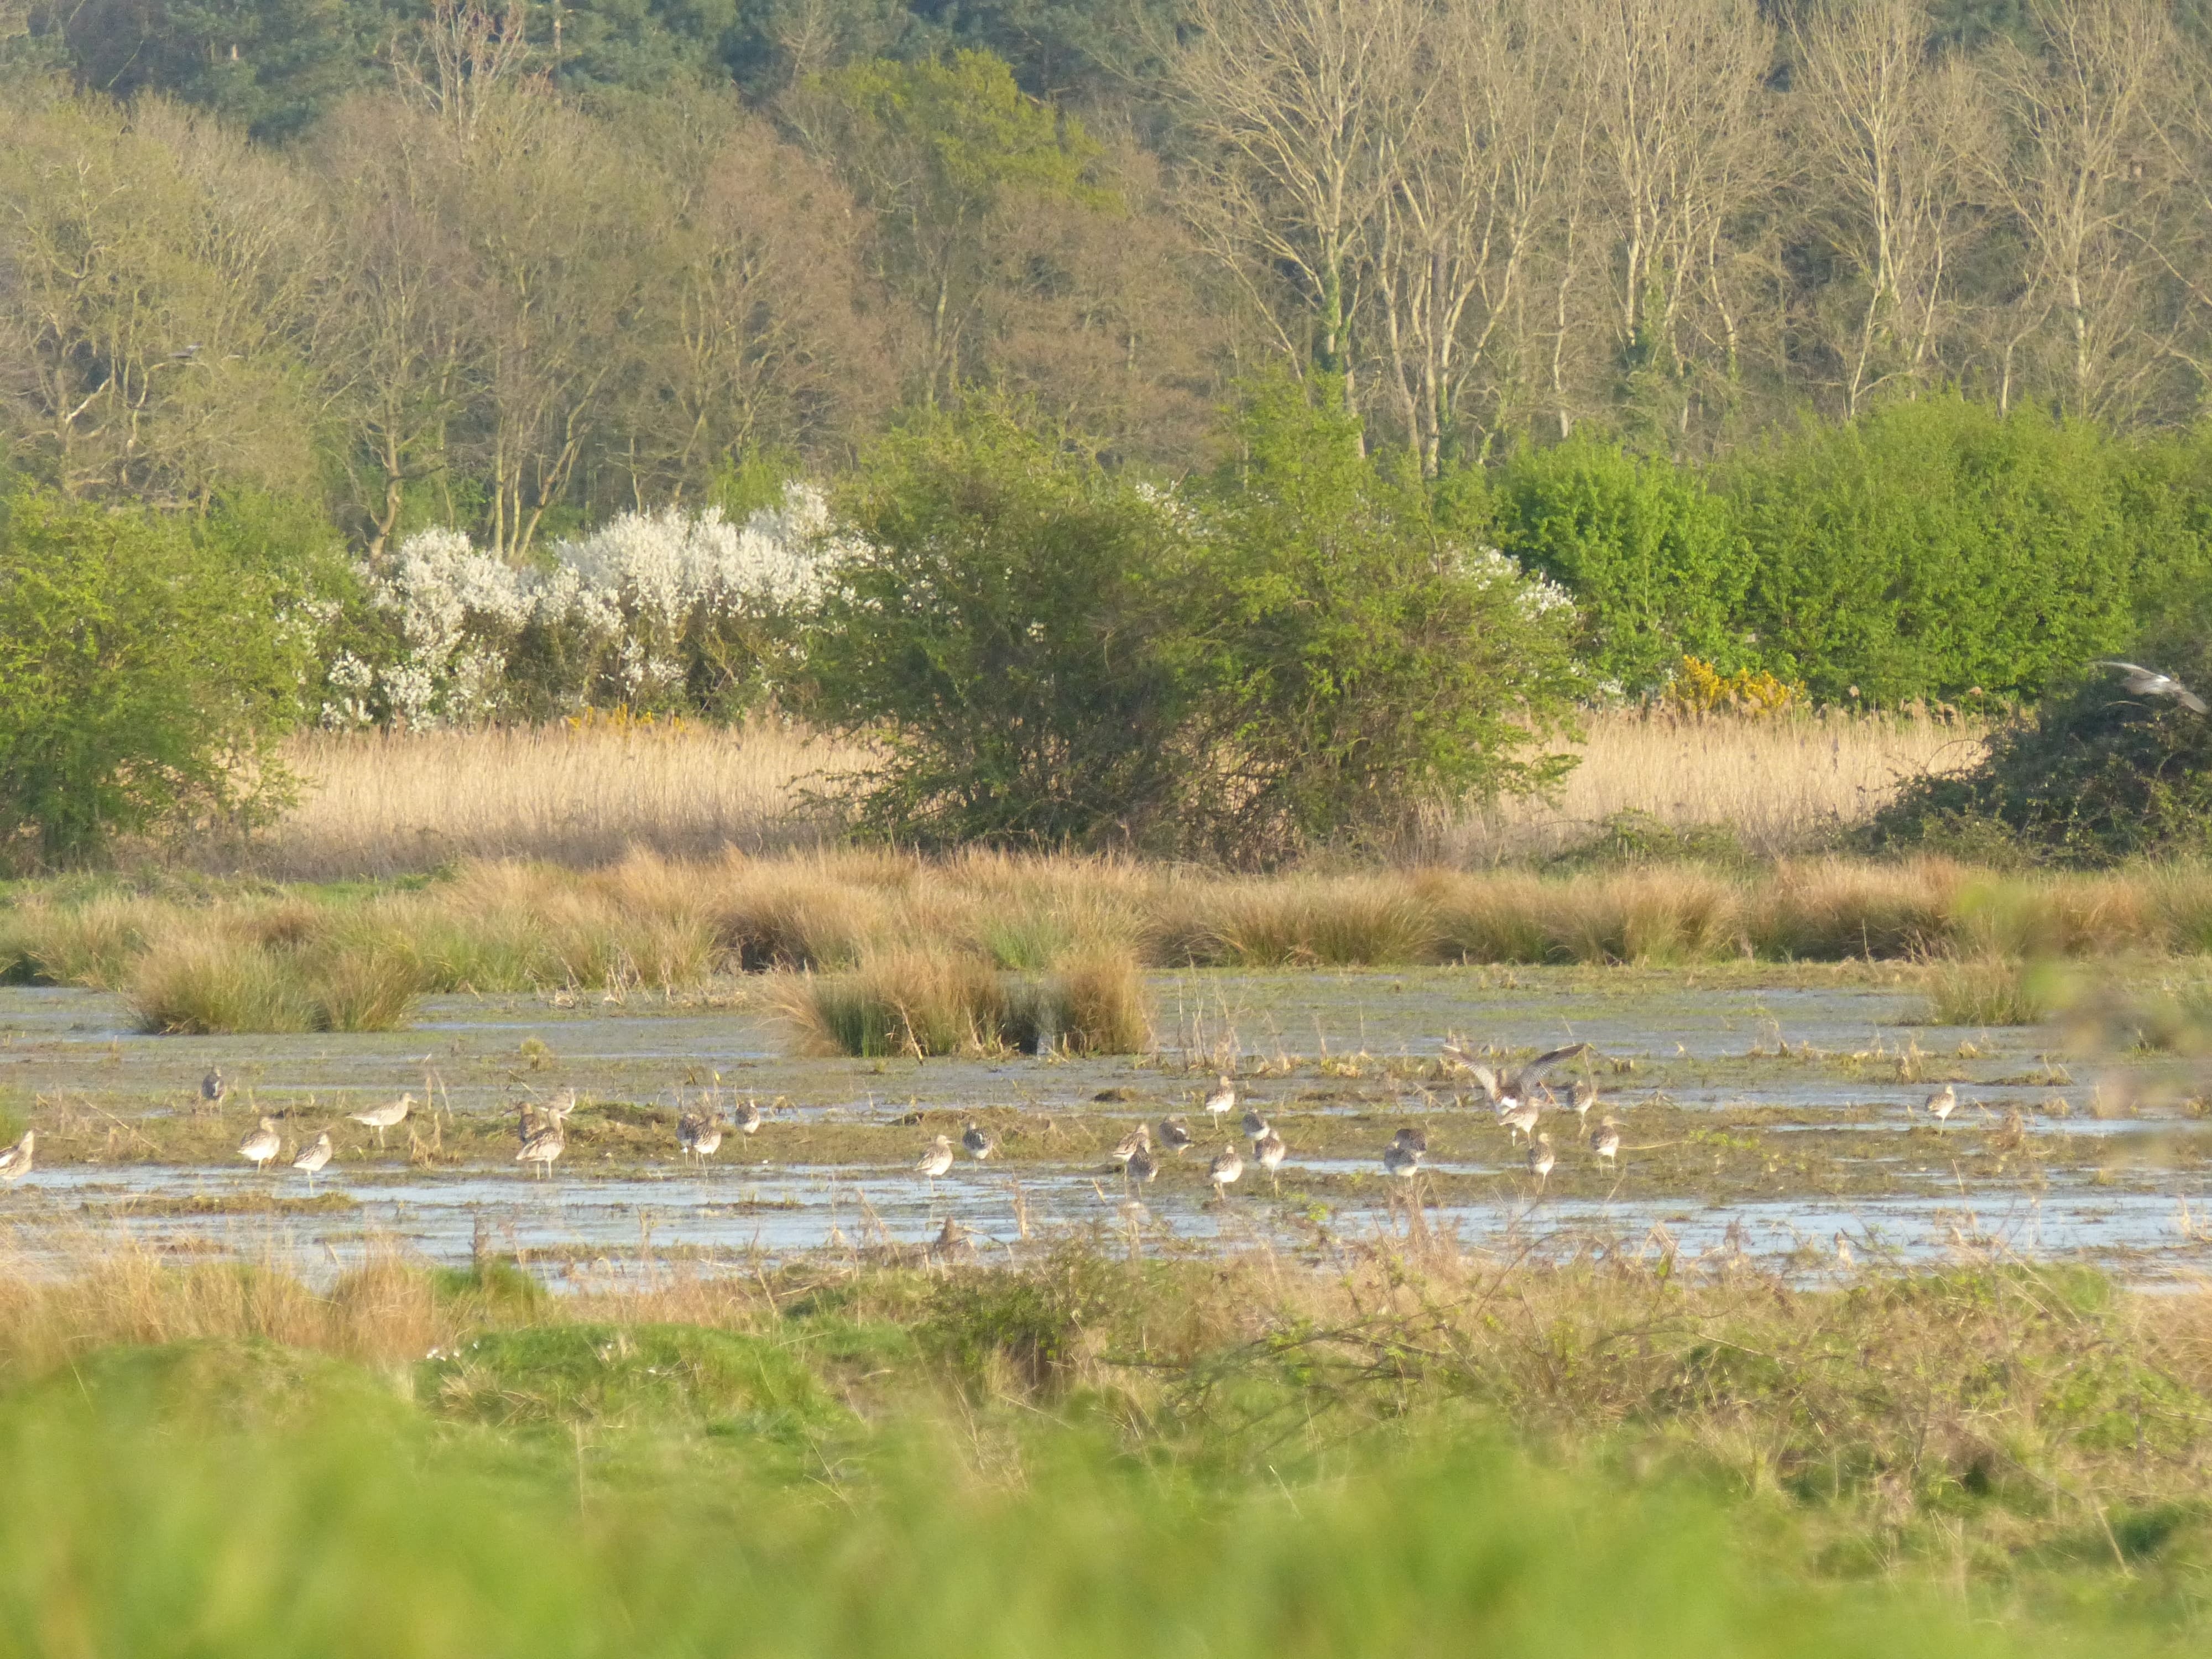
(1507, 1090)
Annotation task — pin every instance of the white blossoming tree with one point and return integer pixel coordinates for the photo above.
(654, 611)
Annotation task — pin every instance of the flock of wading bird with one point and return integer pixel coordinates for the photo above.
(1520, 1097)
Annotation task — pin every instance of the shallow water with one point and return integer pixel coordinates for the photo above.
(2122, 1172)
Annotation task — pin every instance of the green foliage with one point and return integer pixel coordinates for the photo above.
(1361, 664)
(241, 1497)
(1934, 547)
(144, 677)
(1051, 654)
(1003, 634)
(1654, 564)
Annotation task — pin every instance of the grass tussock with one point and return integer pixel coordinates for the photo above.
(923, 1003)
(301, 958)
(1990, 990)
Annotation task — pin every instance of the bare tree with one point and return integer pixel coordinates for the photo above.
(1892, 138)
(1474, 190)
(1684, 127)
(1300, 110)
(2084, 182)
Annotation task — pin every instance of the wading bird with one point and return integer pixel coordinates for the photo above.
(1140, 1168)
(1138, 1140)
(389, 1116)
(699, 1135)
(1254, 1125)
(215, 1089)
(1941, 1104)
(1541, 1160)
(1225, 1172)
(310, 1163)
(1585, 1097)
(934, 1161)
(2150, 683)
(1844, 1257)
(15, 1161)
(749, 1121)
(262, 1145)
(1401, 1159)
(1267, 1146)
(1173, 1136)
(979, 1142)
(1605, 1141)
(1507, 1090)
(542, 1146)
(1222, 1100)
(1520, 1118)
(1413, 1138)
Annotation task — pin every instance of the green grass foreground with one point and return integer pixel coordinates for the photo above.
(1085, 1456)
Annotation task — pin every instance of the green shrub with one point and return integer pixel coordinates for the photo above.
(1655, 564)
(1933, 549)
(144, 678)
(1359, 664)
(1002, 635)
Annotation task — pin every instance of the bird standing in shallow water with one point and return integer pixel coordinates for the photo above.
(1173, 1136)
(15, 1161)
(699, 1135)
(979, 1142)
(935, 1160)
(1225, 1172)
(214, 1089)
(1585, 1097)
(389, 1116)
(1844, 1256)
(1541, 1160)
(1267, 1146)
(1942, 1104)
(1222, 1100)
(1138, 1139)
(749, 1121)
(310, 1161)
(262, 1145)
(1254, 1125)
(541, 1147)
(1605, 1141)
(1140, 1168)
(1521, 1119)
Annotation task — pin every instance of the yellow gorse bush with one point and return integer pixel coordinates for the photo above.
(1699, 688)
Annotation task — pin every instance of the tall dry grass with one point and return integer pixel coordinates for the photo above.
(1778, 785)
(380, 804)
(377, 803)
(878, 930)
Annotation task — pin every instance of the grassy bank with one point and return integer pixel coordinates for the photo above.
(892, 931)
(1409, 1451)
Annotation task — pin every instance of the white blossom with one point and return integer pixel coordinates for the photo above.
(630, 587)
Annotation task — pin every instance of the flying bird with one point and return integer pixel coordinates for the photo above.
(2150, 683)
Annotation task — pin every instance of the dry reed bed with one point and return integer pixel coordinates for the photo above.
(1777, 785)
(249, 960)
(1892, 1398)
(379, 805)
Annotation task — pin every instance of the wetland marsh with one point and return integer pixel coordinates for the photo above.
(1767, 1111)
